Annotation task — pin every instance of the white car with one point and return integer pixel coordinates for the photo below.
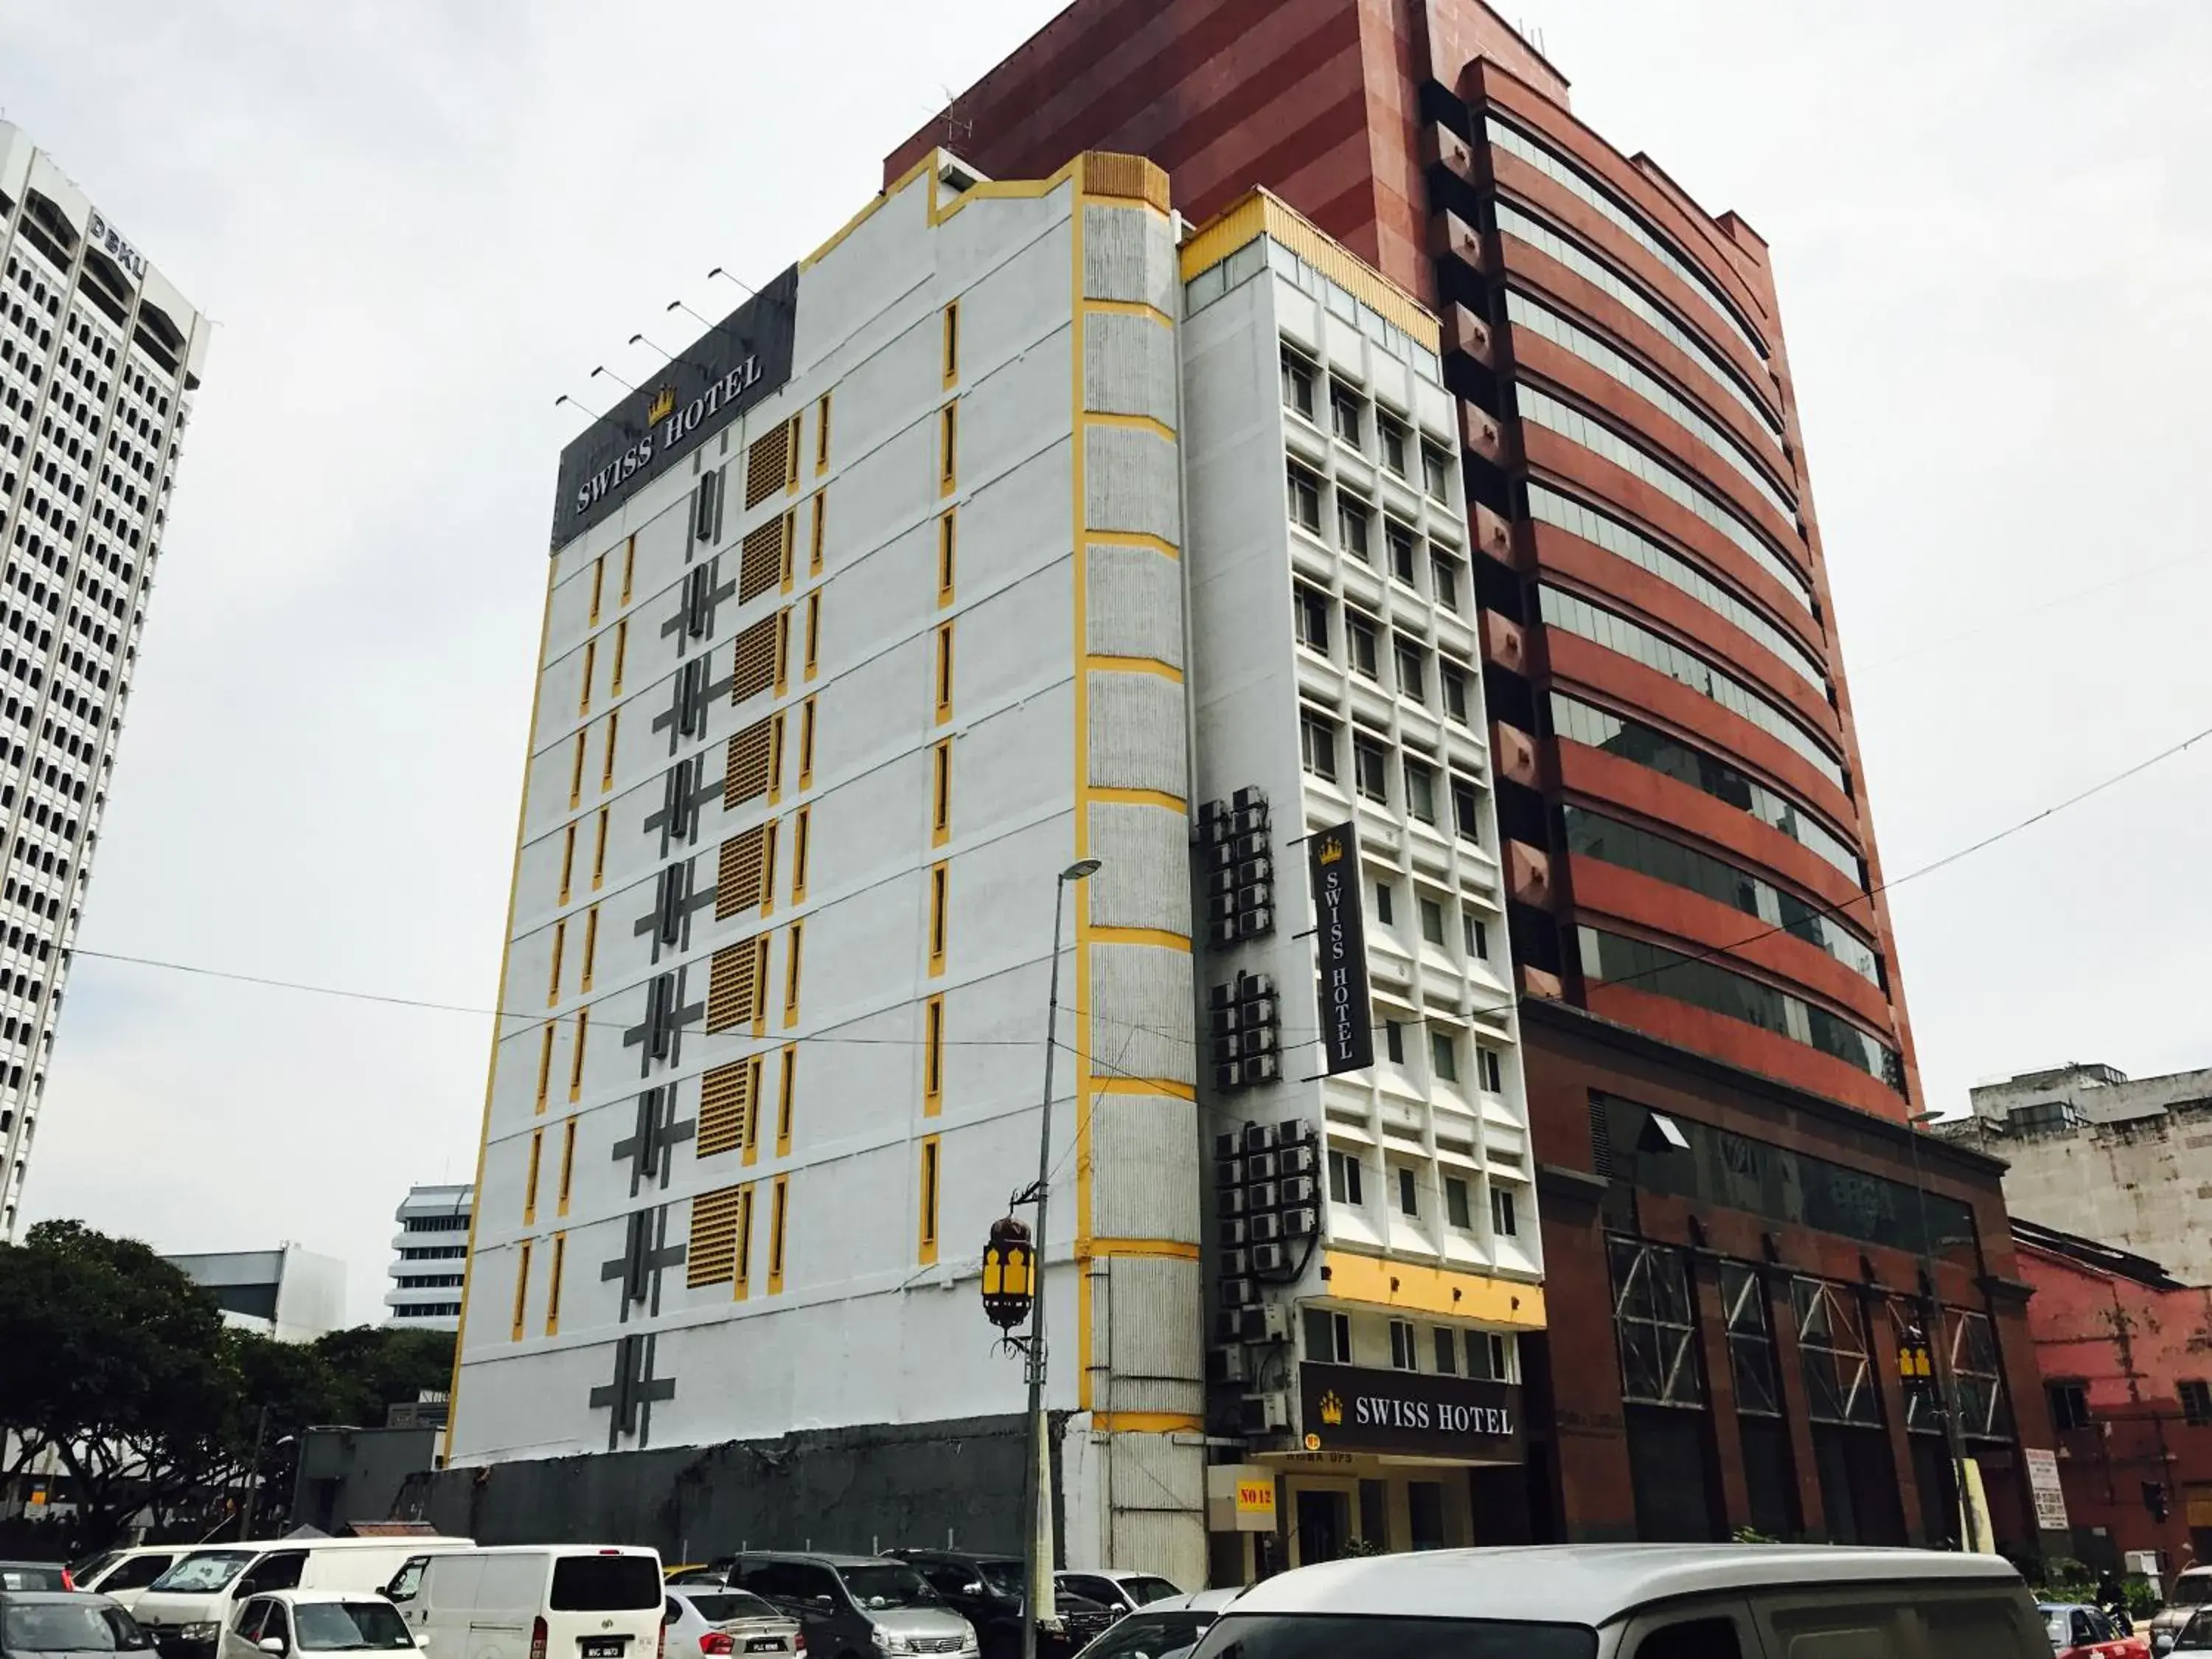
(123, 1575)
(708, 1620)
(1168, 1628)
(1124, 1592)
(288, 1624)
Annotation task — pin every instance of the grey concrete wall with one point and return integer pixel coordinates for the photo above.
(359, 1474)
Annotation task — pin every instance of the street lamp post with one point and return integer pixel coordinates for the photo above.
(1036, 1498)
(1947, 1383)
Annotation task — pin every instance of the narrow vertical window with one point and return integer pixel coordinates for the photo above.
(788, 550)
(591, 944)
(947, 538)
(568, 1164)
(745, 1271)
(599, 586)
(948, 444)
(754, 1068)
(800, 829)
(791, 452)
(590, 667)
(815, 538)
(926, 1251)
(932, 1056)
(568, 858)
(782, 650)
(599, 851)
(768, 868)
(821, 433)
(791, 974)
(576, 773)
(576, 1059)
(560, 941)
(621, 654)
(629, 567)
(775, 760)
(544, 1064)
(813, 632)
(607, 770)
(553, 1284)
(806, 744)
(944, 672)
(940, 792)
(951, 342)
(938, 875)
(760, 985)
(521, 1289)
(787, 1088)
(530, 1176)
(778, 1207)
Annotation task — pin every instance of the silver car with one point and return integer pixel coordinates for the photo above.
(704, 1619)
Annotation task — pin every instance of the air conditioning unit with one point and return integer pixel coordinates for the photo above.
(1262, 1195)
(1228, 1145)
(1268, 1322)
(1250, 796)
(1295, 1131)
(1260, 1166)
(1238, 1293)
(1261, 1068)
(1266, 1258)
(1238, 1264)
(1299, 1223)
(1231, 1234)
(1224, 935)
(1229, 1172)
(1299, 1189)
(1295, 1161)
(1231, 1200)
(1229, 1364)
(1250, 924)
(1267, 1413)
(1260, 1230)
(1260, 1137)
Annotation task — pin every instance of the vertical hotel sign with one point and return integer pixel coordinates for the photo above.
(1347, 1027)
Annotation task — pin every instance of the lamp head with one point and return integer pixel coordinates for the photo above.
(1081, 870)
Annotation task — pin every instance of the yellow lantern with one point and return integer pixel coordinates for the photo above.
(1009, 1274)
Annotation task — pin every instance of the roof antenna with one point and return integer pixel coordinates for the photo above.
(955, 129)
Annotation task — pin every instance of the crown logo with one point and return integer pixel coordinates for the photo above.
(1332, 1409)
(1332, 852)
(663, 404)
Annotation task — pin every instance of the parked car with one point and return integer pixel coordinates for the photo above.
(187, 1609)
(2193, 1638)
(534, 1601)
(1166, 1629)
(2078, 1631)
(1124, 1592)
(123, 1575)
(986, 1591)
(35, 1576)
(1636, 1602)
(2192, 1590)
(852, 1606)
(710, 1621)
(51, 1623)
(293, 1622)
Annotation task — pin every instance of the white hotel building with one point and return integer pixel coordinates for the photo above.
(1026, 524)
(99, 358)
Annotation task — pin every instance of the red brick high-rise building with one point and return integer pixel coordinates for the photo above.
(1719, 1067)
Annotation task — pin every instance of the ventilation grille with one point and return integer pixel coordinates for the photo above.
(1600, 1139)
(755, 670)
(766, 463)
(760, 566)
(712, 1257)
(727, 1104)
(742, 881)
(734, 988)
(751, 752)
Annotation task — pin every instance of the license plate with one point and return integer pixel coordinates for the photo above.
(765, 1644)
(611, 1649)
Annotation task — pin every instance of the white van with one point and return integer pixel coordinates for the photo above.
(535, 1601)
(187, 1607)
(1639, 1602)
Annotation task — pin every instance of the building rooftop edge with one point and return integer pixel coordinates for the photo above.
(1259, 212)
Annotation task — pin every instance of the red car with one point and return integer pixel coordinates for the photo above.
(2078, 1631)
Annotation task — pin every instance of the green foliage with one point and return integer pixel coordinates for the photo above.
(1752, 1535)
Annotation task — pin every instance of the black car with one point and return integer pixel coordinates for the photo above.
(38, 1624)
(987, 1589)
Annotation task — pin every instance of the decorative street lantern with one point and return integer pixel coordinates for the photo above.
(1914, 1363)
(1009, 1274)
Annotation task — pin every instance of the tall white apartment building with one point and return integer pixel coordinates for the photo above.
(429, 1257)
(99, 358)
(979, 543)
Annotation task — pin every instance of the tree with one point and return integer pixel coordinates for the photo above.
(375, 1367)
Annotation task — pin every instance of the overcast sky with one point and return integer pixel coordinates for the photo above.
(418, 223)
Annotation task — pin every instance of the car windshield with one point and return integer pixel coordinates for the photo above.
(726, 1606)
(205, 1570)
(57, 1627)
(1004, 1576)
(2192, 1590)
(1337, 1635)
(1145, 1589)
(890, 1585)
(2058, 1627)
(2196, 1634)
(84, 1571)
(331, 1626)
(1150, 1636)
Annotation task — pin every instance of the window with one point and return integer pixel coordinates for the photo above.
(1355, 522)
(530, 1180)
(1467, 810)
(1297, 383)
(1393, 1041)
(819, 534)
(521, 1290)
(1435, 472)
(568, 1164)
(791, 974)
(1750, 1341)
(1402, 1352)
(1403, 546)
(1305, 499)
(1654, 1325)
(1420, 791)
(1408, 1192)
(2196, 1403)
(1457, 1212)
(1360, 644)
(940, 790)
(1477, 935)
(1309, 611)
(1432, 921)
(1502, 1218)
(938, 877)
(1328, 1337)
(1370, 769)
(1490, 1356)
(947, 536)
(1384, 903)
(1344, 1178)
(821, 433)
(1445, 573)
(1453, 678)
(1832, 1353)
(951, 342)
(944, 672)
(926, 1249)
(948, 442)
(779, 1209)
(1317, 743)
(1395, 441)
(1444, 1057)
(813, 632)
(1489, 1069)
(1704, 1638)
(932, 1056)
(800, 837)
(1446, 1347)
(1412, 669)
(1346, 412)
(787, 1091)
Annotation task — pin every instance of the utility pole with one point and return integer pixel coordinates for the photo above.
(253, 1479)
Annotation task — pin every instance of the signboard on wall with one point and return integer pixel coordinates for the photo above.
(1347, 1024)
(2043, 1481)
(1364, 1408)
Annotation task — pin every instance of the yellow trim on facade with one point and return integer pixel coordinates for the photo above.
(1133, 538)
(1410, 1287)
(1145, 1086)
(1080, 588)
(1146, 1422)
(1153, 936)
(1131, 424)
(1151, 313)
(1166, 671)
(1159, 797)
(1262, 213)
(1173, 1249)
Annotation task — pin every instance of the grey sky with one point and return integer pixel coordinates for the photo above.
(418, 223)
